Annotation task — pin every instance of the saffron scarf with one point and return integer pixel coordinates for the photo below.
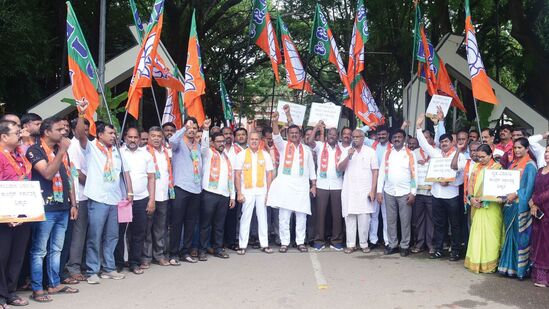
(449, 152)
(276, 156)
(171, 190)
(324, 156)
(411, 162)
(215, 170)
(195, 157)
(23, 170)
(247, 169)
(374, 145)
(237, 148)
(520, 164)
(289, 159)
(108, 175)
(424, 156)
(57, 181)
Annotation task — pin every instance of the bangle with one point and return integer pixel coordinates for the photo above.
(130, 193)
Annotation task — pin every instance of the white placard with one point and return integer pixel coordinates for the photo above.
(21, 202)
(421, 175)
(498, 153)
(440, 170)
(296, 110)
(327, 112)
(499, 183)
(438, 100)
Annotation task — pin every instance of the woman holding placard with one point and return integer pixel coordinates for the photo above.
(515, 255)
(539, 206)
(485, 236)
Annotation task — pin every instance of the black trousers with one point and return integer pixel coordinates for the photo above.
(231, 222)
(212, 216)
(185, 211)
(136, 235)
(445, 210)
(13, 243)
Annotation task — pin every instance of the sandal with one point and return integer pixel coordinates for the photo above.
(283, 249)
(64, 290)
(175, 262)
(137, 270)
(163, 262)
(145, 266)
(41, 298)
(70, 280)
(302, 248)
(4, 306)
(365, 250)
(78, 277)
(241, 251)
(16, 301)
(267, 250)
(349, 250)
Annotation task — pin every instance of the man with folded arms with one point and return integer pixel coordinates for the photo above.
(397, 186)
(103, 189)
(253, 176)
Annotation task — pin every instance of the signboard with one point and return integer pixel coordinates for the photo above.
(440, 170)
(327, 112)
(438, 100)
(296, 110)
(21, 202)
(499, 183)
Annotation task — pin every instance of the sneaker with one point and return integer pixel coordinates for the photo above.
(112, 275)
(201, 257)
(454, 257)
(436, 255)
(336, 247)
(93, 279)
(319, 247)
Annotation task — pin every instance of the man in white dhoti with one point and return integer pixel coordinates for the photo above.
(253, 176)
(290, 190)
(359, 190)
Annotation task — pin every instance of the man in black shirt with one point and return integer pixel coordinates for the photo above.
(51, 167)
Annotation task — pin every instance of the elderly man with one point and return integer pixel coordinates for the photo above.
(359, 190)
(290, 190)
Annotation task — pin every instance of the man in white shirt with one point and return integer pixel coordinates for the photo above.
(329, 184)
(80, 226)
(218, 194)
(103, 189)
(397, 185)
(359, 190)
(142, 173)
(290, 190)
(156, 233)
(253, 176)
(445, 196)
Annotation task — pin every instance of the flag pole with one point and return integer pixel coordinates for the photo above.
(305, 67)
(476, 113)
(272, 101)
(156, 105)
(242, 87)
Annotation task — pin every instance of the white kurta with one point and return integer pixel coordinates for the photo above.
(292, 191)
(357, 182)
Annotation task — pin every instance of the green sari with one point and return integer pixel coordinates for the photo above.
(485, 235)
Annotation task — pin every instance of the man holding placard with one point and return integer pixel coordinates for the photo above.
(397, 186)
(445, 193)
(290, 190)
(14, 237)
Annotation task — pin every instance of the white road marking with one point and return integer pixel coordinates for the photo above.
(317, 269)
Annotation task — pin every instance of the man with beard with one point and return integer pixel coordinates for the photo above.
(231, 150)
(346, 138)
(31, 123)
(143, 138)
(142, 173)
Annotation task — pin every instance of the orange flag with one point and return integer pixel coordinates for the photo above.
(195, 85)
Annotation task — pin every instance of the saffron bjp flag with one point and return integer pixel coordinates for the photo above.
(195, 85)
(263, 34)
(82, 69)
(172, 110)
(323, 45)
(143, 70)
(295, 73)
(482, 90)
(164, 77)
(225, 101)
(360, 99)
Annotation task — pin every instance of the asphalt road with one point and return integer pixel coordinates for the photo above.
(325, 279)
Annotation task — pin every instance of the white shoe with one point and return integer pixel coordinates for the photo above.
(112, 275)
(93, 279)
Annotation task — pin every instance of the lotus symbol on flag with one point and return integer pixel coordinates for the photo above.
(322, 34)
(189, 78)
(259, 16)
(145, 61)
(366, 96)
(341, 68)
(294, 58)
(271, 38)
(319, 49)
(473, 57)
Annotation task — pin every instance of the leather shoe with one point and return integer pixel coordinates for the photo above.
(454, 257)
(389, 251)
(404, 252)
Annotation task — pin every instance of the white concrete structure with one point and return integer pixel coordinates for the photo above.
(457, 67)
(117, 70)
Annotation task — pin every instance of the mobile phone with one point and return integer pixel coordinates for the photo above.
(539, 214)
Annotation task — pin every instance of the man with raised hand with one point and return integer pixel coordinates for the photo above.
(253, 176)
(51, 167)
(290, 190)
(329, 184)
(103, 189)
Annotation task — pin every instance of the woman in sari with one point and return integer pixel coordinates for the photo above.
(485, 235)
(515, 255)
(540, 226)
